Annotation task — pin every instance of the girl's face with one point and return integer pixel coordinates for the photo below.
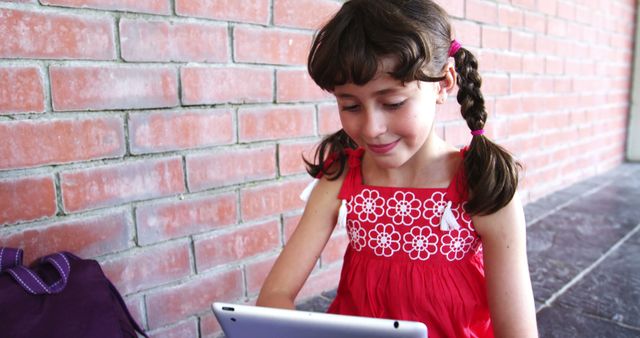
(390, 120)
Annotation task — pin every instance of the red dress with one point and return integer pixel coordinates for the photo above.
(401, 264)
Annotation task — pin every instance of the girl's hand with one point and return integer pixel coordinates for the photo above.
(507, 272)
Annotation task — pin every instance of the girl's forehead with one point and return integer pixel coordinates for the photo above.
(380, 81)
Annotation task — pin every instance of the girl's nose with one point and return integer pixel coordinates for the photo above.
(374, 125)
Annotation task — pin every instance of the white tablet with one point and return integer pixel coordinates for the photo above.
(246, 321)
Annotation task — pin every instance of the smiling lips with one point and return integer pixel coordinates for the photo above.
(382, 148)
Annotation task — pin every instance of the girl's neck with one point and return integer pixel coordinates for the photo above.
(433, 166)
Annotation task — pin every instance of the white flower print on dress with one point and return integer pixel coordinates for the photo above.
(350, 205)
(368, 205)
(357, 235)
(384, 240)
(456, 244)
(434, 207)
(403, 208)
(464, 217)
(420, 243)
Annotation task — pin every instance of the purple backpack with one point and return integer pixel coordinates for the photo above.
(61, 295)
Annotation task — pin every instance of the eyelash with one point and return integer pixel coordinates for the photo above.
(391, 106)
(394, 106)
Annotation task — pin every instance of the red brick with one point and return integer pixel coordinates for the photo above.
(256, 273)
(511, 63)
(578, 67)
(194, 296)
(523, 42)
(147, 6)
(528, 4)
(21, 90)
(37, 142)
(87, 238)
(493, 37)
(544, 122)
(519, 125)
(510, 17)
(530, 84)
(269, 45)
(297, 86)
(135, 306)
(523, 144)
(621, 42)
(113, 87)
(230, 246)
(554, 66)
(535, 22)
(566, 10)
(482, 10)
(207, 85)
(335, 248)
(188, 328)
(328, 119)
(27, 199)
(209, 326)
(487, 60)
(274, 198)
(495, 84)
(556, 27)
(148, 267)
(163, 131)
(55, 36)
(173, 41)
(290, 156)
(230, 166)
(584, 15)
(467, 32)
(548, 7)
(121, 183)
(257, 124)
(532, 64)
(253, 11)
(309, 14)
(168, 220)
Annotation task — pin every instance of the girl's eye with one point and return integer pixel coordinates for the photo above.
(393, 106)
(350, 108)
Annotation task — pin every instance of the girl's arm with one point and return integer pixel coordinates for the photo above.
(299, 256)
(509, 290)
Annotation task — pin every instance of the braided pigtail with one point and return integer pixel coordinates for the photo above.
(330, 157)
(491, 172)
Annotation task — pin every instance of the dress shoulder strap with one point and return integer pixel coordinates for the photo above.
(353, 179)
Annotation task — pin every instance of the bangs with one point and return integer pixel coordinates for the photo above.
(350, 47)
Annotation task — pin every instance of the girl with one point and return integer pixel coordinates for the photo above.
(436, 234)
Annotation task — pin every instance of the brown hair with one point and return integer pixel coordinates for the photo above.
(417, 34)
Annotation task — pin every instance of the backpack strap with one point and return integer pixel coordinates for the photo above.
(11, 262)
(133, 322)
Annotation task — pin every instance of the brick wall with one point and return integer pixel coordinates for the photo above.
(164, 137)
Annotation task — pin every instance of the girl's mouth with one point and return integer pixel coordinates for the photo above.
(382, 148)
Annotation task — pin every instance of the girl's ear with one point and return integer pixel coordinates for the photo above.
(447, 85)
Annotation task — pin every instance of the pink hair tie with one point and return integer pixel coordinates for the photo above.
(455, 46)
(477, 132)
